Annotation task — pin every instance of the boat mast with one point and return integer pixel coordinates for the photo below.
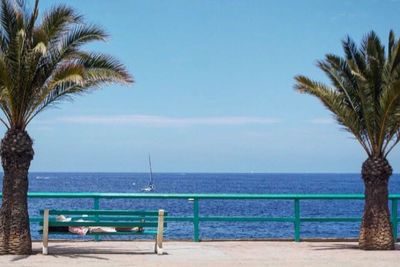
(151, 172)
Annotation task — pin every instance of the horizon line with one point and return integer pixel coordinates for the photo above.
(194, 172)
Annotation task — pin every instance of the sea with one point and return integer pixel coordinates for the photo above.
(248, 183)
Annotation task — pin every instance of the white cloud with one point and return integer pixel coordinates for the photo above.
(150, 120)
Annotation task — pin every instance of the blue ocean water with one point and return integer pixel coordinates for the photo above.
(216, 183)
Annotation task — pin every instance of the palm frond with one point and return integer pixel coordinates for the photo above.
(337, 104)
(8, 19)
(58, 20)
(81, 35)
(43, 63)
(365, 92)
(104, 68)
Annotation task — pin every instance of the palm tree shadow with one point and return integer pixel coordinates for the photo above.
(65, 252)
(342, 246)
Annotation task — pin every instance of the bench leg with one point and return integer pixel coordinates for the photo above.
(159, 251)
(157, 248)
(160, 233)
(45, 238)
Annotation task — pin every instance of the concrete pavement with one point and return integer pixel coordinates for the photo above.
(205, 254)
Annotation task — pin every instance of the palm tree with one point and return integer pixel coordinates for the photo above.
(41, 64)
(365, 99)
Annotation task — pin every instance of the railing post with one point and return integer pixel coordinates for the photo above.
(394, 218)
(196, 220)
(297, 220)
(96, 204)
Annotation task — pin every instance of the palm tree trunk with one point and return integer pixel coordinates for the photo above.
(376, 229)
(16, 155)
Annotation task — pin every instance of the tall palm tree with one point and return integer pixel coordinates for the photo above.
(365, 99)
(41, 64)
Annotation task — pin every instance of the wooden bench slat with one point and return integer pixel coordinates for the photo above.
(145, 232)
(105, 223)
(101, 212)
(111, 218)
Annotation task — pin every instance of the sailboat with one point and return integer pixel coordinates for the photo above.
(150, 186)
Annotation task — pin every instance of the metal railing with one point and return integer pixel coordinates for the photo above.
(296, 219)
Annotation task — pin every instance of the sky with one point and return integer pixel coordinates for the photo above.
(213, 88)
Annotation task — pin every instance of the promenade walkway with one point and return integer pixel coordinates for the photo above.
(205, 254)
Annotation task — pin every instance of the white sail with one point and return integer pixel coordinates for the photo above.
(150, 186)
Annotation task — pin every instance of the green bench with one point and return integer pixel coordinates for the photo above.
(147, 223)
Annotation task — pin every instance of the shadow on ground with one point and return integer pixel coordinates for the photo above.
(21, 257)
(18, 258)
(57, 251)
(341, 246)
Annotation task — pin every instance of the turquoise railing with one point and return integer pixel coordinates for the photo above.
(196, 218)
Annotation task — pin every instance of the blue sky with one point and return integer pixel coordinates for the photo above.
(214, 88)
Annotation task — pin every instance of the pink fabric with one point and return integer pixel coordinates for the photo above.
(78, 230)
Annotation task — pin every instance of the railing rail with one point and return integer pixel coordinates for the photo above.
(196, 219)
